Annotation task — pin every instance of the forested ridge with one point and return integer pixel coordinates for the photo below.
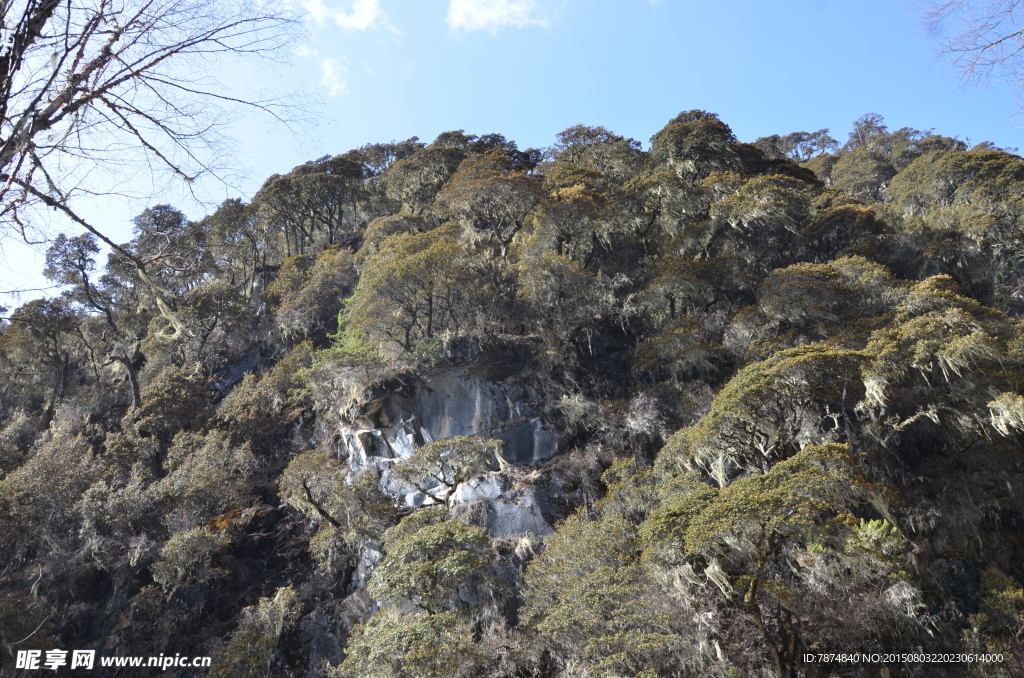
(589, 411)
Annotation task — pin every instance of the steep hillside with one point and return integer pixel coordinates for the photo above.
(461, 409)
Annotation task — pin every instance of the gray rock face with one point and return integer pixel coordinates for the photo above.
(227, 378)
(485, 487)
(369, 559)
(316, 630)
(505, 510)
(458, 401)
(517, 514)
(452, 402)
(440, 406)
(357, 609)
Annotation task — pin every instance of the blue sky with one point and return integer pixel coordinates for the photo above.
(391, 69)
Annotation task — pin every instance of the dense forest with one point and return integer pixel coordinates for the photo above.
(589, 411)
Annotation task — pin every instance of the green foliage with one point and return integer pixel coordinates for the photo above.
(350, 346)
(176, 399)
(213, 313)
(995, 628)
(409, 290)
(863, 173)
(441, 569)
(208, 481)
(437, 568)
(742, 538)
(261, 407)
(564, 293)
(836, 345)
(43, 336)
(309, 203)
(414, 181)
(393, 645)
(590, 599)
(187, 559)
(877, 536)
(414, 522)
(574, 223)
(307, 294)
(694, 144)
(446, 464)
(768, 412)
(378, 230)
(35, 511)
(964, 207)
(663, 533)
(376, 158)
(866, 164)
(754, 514)
(205, 476)
(838, 226)
(986, 178)
(797, 146)
(607, 156)
(256, 638)
(15, 439)
(348, 515)
(291, 275)
(768, 205)
(752, 517)
(803, 303)
(174, 246)
(942, 353)
(492, 194)
(682, 351)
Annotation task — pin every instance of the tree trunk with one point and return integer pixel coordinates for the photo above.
(430, 315)
(133, 380)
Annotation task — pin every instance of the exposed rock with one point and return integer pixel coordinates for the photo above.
(517, 515)
(226, 379)
(458, 401)
(487, 487)
(369, 558)
(316, 631)
(408, 494)
(505, 509)
(357, 608)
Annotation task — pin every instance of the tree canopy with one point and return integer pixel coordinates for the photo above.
(697, 408)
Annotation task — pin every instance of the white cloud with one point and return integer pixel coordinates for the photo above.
(333, 74)
(490, 15)
(363, 15)
(333, 70)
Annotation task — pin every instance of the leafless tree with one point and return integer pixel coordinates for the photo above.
(983, 39)
(98, 96)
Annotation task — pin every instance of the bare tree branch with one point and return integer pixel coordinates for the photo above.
(91, 90)
(983, 40)
(159, 293)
